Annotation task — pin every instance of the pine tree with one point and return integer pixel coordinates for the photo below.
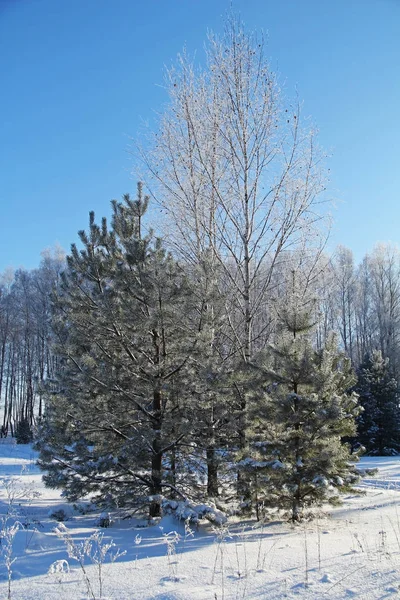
(126, 330)
(23, 432)
(379, 424)
(299, 412)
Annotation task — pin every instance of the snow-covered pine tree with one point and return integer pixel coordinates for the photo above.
(126, 330)
(299, 412)
(378, 426)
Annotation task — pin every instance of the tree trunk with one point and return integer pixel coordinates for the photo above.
(296, 506)
(173, 468)
(212, 472)
(156, 461)
(156, 487)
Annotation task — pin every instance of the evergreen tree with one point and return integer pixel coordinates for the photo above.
(299, 413)
(126, 330)
(379, 424)
(23, 432)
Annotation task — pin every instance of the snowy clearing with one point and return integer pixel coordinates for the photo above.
(352, 551)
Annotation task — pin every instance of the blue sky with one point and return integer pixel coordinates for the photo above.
(79, 77)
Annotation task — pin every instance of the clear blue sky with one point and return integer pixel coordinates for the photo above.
(78, 77)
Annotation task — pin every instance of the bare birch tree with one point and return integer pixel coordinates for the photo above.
(385, 275)
(345, 295)
(235, 171)
(366, 322)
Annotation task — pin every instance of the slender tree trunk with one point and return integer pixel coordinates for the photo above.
(296, 505)
(173, 467)
(212, 472)
(156, 461)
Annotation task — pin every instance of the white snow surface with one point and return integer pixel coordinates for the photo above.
(352, 551)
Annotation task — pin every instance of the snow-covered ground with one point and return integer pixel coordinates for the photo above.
(352, 551)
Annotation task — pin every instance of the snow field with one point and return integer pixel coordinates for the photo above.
(352, 551)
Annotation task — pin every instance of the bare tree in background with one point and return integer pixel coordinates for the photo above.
(344, 290)
(26, 356)
(385, 276)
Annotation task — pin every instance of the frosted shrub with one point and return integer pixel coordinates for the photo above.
(8, 532)
(193, 513)
(171, 539)
(58, 515)
(59, 569)
(104, 520)
(94, 549)
(15, 493)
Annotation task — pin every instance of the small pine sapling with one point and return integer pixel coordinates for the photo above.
(299, 412)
